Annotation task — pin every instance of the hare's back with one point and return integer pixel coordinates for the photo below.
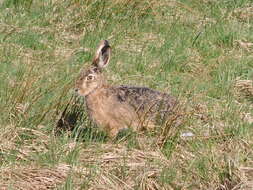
(144, 99)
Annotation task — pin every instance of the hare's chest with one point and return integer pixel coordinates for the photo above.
(100, 109)
(109, 112)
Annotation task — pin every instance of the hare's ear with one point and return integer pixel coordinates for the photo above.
(103, 54)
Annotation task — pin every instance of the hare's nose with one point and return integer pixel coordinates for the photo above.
(76, 89)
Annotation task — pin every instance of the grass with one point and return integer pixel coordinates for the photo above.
(199, 51)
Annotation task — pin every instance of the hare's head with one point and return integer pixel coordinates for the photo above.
(91, 78)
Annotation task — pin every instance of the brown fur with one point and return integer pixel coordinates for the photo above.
(119, 107)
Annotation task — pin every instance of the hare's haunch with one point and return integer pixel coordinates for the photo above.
(119, 107)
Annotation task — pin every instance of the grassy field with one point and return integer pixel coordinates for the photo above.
(200, 51)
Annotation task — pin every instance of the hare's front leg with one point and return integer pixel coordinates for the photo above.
(113, 132)
(113, 128)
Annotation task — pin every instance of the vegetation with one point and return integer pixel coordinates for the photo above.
(199, 51)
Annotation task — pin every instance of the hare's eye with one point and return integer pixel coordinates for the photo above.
(90, 77)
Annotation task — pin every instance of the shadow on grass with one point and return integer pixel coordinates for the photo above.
(74, 121)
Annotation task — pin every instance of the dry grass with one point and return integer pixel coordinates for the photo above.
(245, 13)
(245, 87)
(10, 136)
(114, 166)
(33, 177)
(117, 167)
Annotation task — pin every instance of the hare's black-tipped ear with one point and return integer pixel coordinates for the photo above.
(103, 54)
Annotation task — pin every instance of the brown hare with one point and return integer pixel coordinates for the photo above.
(119, 107)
